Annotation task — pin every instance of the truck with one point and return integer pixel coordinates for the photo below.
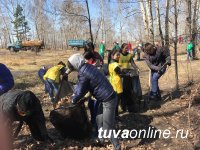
(34, 45)
(76, 44)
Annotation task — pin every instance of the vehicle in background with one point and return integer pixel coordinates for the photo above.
(76, 44)
(34, 45)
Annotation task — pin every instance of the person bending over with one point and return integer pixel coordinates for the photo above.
(157, 59)
(90, 79)
(24, 106)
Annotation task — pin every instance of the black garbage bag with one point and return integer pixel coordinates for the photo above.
(65, 89)
(132, 91)
(71, 121)
(135, 83)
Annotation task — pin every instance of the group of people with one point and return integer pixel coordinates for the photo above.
(136, 50)
(112, 89)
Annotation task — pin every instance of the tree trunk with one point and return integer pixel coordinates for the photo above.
(6, 27)
(145, 19)
(99, 25)
(188, 18)
(89, 20)
(167, 24)
(194, 26)
(150, 20)
(175, 43)
(102, 21)
(158, 21)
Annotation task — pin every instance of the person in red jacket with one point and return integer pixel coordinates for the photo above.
(90, 47)
(129, 47)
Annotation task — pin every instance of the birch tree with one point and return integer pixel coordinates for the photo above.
(144, 18)
(175, 43)
(194, 24)
(167, 24)
(150, 20)
(188, 18)
(159, 22)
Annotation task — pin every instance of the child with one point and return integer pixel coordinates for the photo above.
(52, 76)
(41, 73)
(190, 47)
(126, 62)
(115, 73)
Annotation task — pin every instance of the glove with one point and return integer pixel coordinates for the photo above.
(169, 63)
(159, 70)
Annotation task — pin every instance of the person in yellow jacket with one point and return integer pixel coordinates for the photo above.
(126, 63)
(115, 77)
(52, 76)
(126, 59)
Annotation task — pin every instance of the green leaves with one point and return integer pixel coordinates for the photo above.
(20, 24)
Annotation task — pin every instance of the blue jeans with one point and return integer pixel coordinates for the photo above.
(53, 90)
(136, 50)
(41, 73)
(93, 107)
(155, 90)
(189, 55)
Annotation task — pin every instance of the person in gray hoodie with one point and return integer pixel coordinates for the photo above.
(90, 79)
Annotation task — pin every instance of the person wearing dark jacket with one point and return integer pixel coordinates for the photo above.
(6, 79)
(89, 47)
(157, 59)
(24, 106)
(90, 79)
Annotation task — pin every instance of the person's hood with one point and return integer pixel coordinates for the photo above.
(76, 60)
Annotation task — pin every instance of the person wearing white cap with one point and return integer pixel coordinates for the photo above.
(90, 79)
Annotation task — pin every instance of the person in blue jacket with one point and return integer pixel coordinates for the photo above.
(90, 79)
(6, 79)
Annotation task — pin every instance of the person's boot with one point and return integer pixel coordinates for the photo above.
(154, 96)
(158, 98)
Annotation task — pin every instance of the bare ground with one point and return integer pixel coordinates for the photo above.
(174, 112)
